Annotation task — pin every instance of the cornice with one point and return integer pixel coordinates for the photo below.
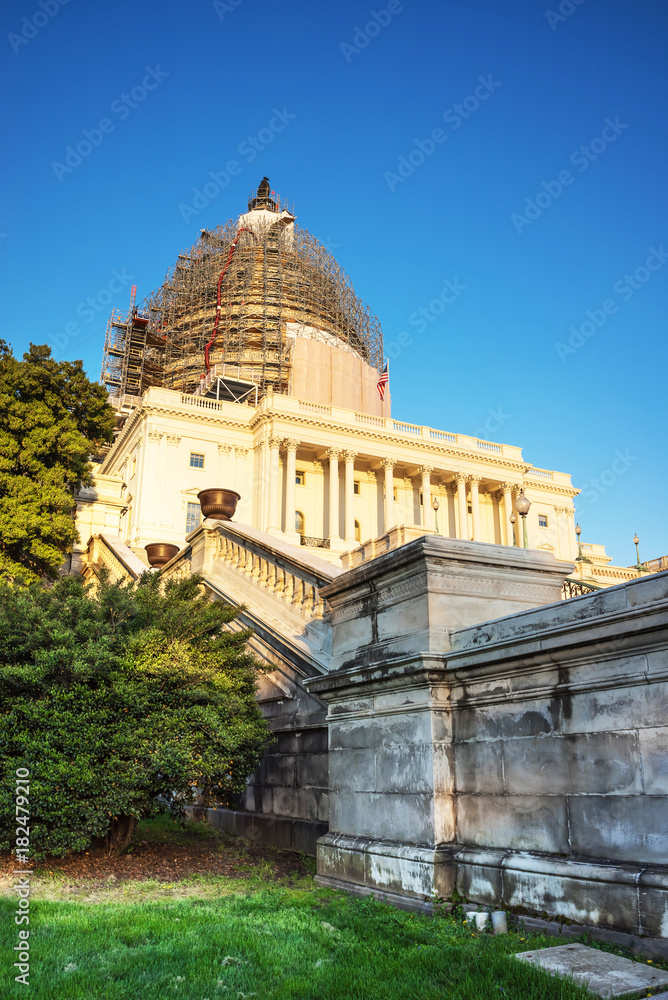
(434, 450)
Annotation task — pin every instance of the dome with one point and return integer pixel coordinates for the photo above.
(240, 298)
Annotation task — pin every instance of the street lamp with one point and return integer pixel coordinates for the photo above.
(522, 504)
(578, 532)
(513, 521)
(434, 506)
(639, 565)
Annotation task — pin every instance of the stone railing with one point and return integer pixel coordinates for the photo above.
(110, 553)
(260, 568)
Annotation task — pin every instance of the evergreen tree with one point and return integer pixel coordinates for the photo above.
(52, 418)
(113, 697)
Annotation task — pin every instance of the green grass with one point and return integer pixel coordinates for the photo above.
(273, 942)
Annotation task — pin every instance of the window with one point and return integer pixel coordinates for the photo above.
(193, 517)
(356, 487)
(542, 520)
(196, 460)
(395, 494)
(421, 500)
(469, 509)
(299, 522)
(358, 532)
(300, 478)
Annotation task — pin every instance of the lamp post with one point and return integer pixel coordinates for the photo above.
(434, 506)
(578, 532)
(639, 565)
(513, 521)
(522, 504)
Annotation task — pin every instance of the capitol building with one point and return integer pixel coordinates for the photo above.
(256, 368)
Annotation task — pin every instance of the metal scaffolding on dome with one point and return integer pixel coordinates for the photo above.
(237, 299)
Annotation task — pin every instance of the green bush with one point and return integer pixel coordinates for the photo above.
(116, 696)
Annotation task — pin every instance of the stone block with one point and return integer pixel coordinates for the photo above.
(285, 801)
(654, 755)
(649, 590)
(405, 769)
(403, 698)
(505, 720)
(515, 822)
(344, 861)
(314, 740)
(305, 836)
(479, 767)
(653, 897)
(410, 728)
(408, 818)
(636, 706)
(279, 770)
(308, 801)
(351, 706)
(623, 828)
(313, 769)
(353, 769)
(585, 900)
(482, 883)
(596, 763)
(603, 973)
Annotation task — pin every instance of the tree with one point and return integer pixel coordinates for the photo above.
(52, 418)
(113, 697)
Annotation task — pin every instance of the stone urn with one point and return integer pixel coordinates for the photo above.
(217, 503)
(159, 553)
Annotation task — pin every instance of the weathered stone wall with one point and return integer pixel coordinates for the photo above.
(524, 759)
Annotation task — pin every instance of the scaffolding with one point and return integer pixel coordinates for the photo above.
(239, 297)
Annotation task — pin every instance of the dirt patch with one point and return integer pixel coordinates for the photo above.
(166, 861)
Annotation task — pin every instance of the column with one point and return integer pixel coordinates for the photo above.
(170, 495)
(507, 511)
(427, 512)
(274, 485)
(349, 497)
(334, 531)
(291, 446)
(388, 465)
(475, 506)
(461, 504)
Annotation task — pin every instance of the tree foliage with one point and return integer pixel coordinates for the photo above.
(114, 697)
(52, 418)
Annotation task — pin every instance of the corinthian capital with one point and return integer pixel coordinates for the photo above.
(389, 463)
(334, 453)
(291, 444)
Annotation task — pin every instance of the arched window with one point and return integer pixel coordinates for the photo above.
(358, 532)
(299, 522)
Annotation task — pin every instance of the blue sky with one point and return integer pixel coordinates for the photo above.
(555, 338)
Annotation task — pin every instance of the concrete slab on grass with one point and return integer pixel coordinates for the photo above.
(605, 974)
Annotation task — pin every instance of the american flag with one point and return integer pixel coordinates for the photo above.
(383, 381)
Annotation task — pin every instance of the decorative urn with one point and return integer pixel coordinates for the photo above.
(159, 553)
(218, 503)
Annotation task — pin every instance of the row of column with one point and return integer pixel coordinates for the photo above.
(335, 455)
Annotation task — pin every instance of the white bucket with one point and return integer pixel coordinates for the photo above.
(481, 920)
(499, 922)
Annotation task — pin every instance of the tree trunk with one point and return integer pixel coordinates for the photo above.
(120, 835)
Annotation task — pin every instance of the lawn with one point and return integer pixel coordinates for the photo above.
(260, 930)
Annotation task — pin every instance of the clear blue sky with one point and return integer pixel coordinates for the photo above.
(352, 103)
